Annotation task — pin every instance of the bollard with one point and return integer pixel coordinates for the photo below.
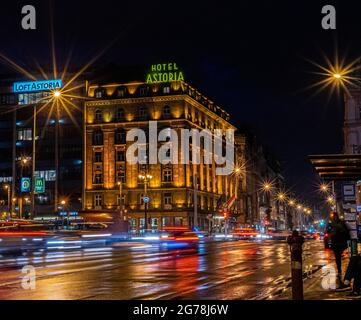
(295, 242)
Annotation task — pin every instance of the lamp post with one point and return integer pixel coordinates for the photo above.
(7, 187)
(145, 178)
(23, 162)
(120, 199)
(32, 195)
(56, 95)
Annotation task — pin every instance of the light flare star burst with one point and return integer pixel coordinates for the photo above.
(336, 76)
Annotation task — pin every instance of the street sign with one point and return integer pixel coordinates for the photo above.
(146, 199)
(25, 184)
(349, 192)
(39, 185)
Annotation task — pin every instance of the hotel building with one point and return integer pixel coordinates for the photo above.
(110, 112)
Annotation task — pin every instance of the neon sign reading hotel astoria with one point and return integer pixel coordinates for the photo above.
(164, 72)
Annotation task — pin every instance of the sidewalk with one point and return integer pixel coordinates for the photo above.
(313, 288)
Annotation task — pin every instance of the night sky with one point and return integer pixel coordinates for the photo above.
(250, 58)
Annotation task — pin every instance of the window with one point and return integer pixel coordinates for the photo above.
(98, 200)
(144, 91)
(98, 178)
(118, 199)
(143, 112)
(98, 156)
(48, 175)
(167, 198)
(97, 137)
(121, 92)
(166, 111)
(121, 155)
(120, 114)
(166, 89)
(98, 115)
(141, 200)
(121, 174)
(167, 175)
(25, 135)
(178, 221)
(30, 98)
(120, 136)
(99, 93)
(166, 221)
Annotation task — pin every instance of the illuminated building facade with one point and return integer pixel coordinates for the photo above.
(16, 130)
(111, 111)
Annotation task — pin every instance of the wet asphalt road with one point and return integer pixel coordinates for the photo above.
(210, 270)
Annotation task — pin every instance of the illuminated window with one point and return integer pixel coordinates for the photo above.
(118, 199)
(48, 175)
(25, 135)
(167, 175)
(32, 98)
(121, 174)
(98, 200)
(121, 91)
(98, 115)
(166, 221)
(178, 221)
(166, 89)
(167, 198)
(143, 91)
(99, 93)
(98, 178)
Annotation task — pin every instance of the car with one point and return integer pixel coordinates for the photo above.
(244, 233)
(278, 234)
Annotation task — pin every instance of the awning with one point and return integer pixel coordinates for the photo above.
(345, 167)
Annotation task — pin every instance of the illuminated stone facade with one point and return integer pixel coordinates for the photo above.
(113, 110)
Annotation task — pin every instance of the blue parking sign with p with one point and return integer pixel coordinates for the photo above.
(25, 184)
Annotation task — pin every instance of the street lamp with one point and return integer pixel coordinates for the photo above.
(120, 199)
(146, 178)
(7, 187)
(56, 94)
(324, 187)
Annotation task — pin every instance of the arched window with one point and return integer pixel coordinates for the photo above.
(98, 115)
(97, 137)
(166, 111)
(120, 114)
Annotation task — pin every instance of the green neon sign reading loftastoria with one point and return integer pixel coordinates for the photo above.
(164, 72)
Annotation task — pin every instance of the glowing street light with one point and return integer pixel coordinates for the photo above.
(324, 187)
(8, 189)
(281, 196)
(56, 94)
(330, 200)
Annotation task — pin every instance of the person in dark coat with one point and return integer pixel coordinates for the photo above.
(339, 235)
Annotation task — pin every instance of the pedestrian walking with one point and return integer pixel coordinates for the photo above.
(339, 235)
